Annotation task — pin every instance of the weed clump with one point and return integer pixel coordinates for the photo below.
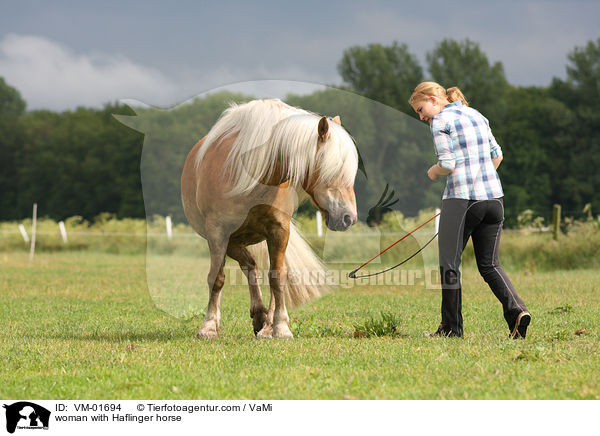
(386, 326)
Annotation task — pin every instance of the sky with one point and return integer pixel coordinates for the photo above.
(64, 54)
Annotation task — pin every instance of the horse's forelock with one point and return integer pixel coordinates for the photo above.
(337, 159)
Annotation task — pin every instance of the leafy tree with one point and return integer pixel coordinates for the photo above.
(79, 163)
(583, 73)
(580, 181)
(534, 141)
(12, 107)
(387, 74)
(463, 64)
(11, 103)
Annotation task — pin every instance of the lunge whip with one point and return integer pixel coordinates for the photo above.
(352, 274)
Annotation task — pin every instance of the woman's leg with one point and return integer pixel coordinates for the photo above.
(451, 242)
(486, 242)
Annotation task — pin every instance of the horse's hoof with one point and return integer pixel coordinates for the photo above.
(283, 332)
(259, 321)
(207, 334)
(265, 333)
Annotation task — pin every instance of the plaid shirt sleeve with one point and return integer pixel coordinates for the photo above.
(495, 149)
(443, 143)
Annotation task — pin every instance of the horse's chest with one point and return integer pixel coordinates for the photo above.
(258, 225)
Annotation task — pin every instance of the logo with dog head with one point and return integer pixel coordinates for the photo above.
(26, 415)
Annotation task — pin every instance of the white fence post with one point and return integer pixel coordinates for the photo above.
(169, 224)
(437, 221)
(24, 233)
(63, 231)
(33, 232)
(319, 224)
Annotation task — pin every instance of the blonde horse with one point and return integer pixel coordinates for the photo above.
(239, 187)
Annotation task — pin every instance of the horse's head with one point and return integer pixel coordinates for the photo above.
(330, 183)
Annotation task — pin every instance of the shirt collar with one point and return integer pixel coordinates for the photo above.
(456, 103)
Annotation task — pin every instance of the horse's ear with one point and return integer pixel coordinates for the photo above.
(323, 129)
(337, 120)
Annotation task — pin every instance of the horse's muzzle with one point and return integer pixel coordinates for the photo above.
(341, 222)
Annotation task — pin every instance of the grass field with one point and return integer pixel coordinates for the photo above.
(81, 325)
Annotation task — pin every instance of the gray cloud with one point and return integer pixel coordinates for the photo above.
(51, 76)
(48, 75)
(65, 54)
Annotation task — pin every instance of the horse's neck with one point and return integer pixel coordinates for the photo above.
(277, 177)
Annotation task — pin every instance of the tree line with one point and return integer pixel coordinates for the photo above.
(88, 161)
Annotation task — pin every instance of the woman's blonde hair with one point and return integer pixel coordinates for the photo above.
(433, 89)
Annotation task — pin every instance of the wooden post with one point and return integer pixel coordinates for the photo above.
(169, 224)
(33, 232)
(63, 231)
(24, 233)
(556, 221)
(319, 224)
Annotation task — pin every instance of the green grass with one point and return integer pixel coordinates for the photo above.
(82, 325)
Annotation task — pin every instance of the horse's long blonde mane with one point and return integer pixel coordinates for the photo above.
(269, 131)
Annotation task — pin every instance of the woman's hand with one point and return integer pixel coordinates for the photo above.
(432, 172)
(436, 171)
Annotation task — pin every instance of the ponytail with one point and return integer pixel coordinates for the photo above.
(426, 89)
(455, 94)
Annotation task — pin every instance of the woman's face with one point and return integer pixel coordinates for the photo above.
(427, 109)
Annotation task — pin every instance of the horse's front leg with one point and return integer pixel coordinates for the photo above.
(277, 243)
(216, 280)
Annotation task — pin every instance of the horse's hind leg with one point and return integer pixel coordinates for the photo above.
(258, 311)
(216, 280)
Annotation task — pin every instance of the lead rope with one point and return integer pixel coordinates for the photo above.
(352, 274)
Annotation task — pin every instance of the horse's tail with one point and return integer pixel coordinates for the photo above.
(306, 274)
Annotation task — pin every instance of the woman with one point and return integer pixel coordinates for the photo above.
(472, 204)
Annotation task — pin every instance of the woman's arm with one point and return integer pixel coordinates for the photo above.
(496, 161)
(435, 171)
(442, 142)
(495, 150)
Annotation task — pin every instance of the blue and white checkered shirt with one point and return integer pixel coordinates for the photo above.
(464, 144)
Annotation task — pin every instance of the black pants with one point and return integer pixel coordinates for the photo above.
(481, 220)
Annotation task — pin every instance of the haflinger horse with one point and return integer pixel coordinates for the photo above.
(239, 187)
